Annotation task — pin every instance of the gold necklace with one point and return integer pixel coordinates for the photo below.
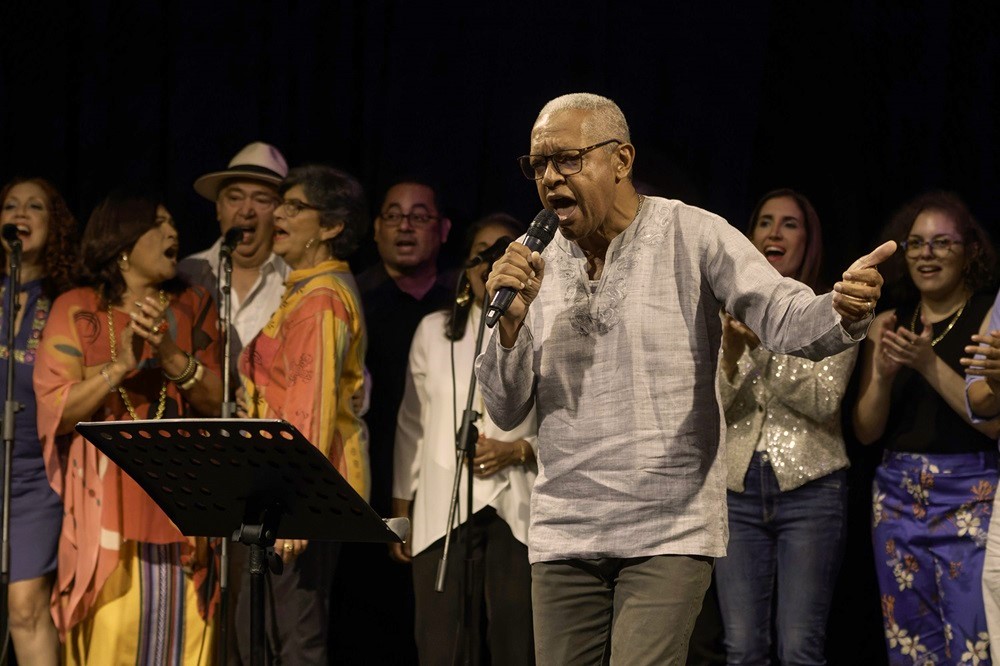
(913, 322)
(162, 404)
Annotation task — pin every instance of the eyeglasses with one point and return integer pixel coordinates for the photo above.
(292, 207)
(942, 245)
(566, 162)
(418, 218)
(236, 199)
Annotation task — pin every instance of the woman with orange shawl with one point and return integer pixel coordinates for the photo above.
(133, 343)
(307, 367)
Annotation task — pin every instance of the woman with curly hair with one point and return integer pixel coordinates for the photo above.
(46, 230)
(132, 343)
(933, 491)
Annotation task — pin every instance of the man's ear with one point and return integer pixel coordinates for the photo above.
(625, 157)
(444, 227)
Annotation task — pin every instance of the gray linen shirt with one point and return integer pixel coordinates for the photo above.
(630, 452)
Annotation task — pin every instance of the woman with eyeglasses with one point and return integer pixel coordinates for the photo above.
(133, 342)
(307, 367)
(934, 489)
(437, 387)
(786, 460)
(47, 230)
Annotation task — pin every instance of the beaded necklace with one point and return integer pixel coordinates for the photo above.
(162, 404)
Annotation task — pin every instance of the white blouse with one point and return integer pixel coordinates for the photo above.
(424, 457)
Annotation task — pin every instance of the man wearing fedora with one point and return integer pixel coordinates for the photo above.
(245, 196)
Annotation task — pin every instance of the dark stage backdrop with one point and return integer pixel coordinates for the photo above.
(859, 105)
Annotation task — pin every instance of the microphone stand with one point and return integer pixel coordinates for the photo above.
(10, 408)
(465, 443)
(228, 410)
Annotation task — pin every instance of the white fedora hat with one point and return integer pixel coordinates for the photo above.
(257, 161)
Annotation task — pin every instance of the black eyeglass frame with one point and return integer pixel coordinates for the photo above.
(408, 217)
(942, 243)
(529, 172)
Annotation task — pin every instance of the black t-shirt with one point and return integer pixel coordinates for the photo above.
(920, 421)
(391, 317)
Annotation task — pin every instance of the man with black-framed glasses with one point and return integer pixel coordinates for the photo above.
(396, 293)
(613, 336)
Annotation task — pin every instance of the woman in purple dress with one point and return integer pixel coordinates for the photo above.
(46, 229)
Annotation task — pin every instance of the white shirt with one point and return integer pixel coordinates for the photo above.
(631, 456)
(424, 455)
(250, 314)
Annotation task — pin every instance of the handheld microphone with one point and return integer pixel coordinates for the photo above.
(9, 232)
(490, 254)
(232, 238)
(540, 233)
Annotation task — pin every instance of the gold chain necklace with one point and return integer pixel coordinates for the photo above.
(162, 404)
(913, 322)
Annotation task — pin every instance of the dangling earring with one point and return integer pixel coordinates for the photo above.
(309, 243)
(123, 264)
(465, 295)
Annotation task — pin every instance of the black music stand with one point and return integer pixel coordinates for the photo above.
(252, 479)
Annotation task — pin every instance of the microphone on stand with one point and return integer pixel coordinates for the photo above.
(232, 238)
(540, 233)
(490, 254)
(9, 232)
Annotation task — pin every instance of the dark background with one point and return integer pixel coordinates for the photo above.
(858, 105)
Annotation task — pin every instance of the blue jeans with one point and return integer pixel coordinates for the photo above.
(789, 542)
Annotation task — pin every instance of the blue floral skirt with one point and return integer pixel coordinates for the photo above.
(930, 517)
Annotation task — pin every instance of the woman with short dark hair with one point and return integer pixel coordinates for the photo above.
(307, 367)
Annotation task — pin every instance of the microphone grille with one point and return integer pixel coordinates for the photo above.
(9, 232)
(544, 225)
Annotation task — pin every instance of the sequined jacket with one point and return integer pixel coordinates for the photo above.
(794, 404)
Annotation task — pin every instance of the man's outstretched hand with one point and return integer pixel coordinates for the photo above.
(855, 296)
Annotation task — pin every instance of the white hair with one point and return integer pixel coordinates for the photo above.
(606, 120)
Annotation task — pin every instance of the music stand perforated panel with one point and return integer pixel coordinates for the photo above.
(212, 475)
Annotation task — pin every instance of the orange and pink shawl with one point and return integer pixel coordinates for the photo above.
(102, 506)
(307, 365)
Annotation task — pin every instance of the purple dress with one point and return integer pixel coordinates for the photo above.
(36, 510)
